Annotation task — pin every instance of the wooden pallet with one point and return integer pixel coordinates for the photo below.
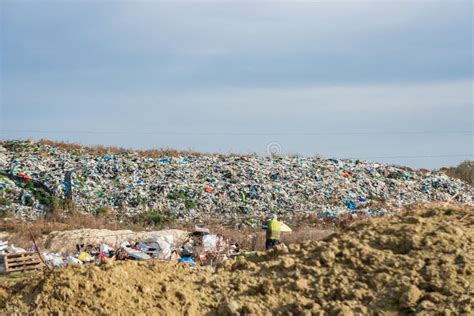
(20, 262)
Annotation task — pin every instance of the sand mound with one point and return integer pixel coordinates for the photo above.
(65, 241)
(419, 262)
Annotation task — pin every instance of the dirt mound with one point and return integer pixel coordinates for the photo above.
(64, 241)
(419, 262)
(130, 287)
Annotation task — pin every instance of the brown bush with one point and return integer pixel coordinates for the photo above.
(464, 171)
(59, 221)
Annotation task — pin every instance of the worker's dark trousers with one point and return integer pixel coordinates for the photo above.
(270, 243)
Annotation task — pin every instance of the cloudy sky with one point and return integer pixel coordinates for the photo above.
(390, 81)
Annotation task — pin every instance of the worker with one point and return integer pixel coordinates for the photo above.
(273, 228)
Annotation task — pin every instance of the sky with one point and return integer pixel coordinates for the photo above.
(388, 81)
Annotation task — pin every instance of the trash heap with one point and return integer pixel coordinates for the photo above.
(35, 175)
(199, 247)
(419, 263)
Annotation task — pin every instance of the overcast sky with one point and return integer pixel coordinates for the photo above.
(390, 81)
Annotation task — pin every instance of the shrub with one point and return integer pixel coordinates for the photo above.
(154, 217)
(62, 204)
(4, 201)
(103, 211)
(183, 197)
(464, 171)
(43, 197)
(190, 203)
(177, 195)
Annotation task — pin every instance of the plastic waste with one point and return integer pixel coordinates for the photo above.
(188, 260)
(136, 254)
(210, 242)
(84, 257)
(72, 260)
(13, 249)
(105, 249)
(210, 186)
(53, 259)
(351, 205)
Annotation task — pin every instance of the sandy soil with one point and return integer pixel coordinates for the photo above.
(421, 261)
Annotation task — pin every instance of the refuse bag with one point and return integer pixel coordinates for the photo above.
(210, 242)
(85, 257)
(188, 260)
(72, 260)
(160, 249)
(136, 254)
(53, 259)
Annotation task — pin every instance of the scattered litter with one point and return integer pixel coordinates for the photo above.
(136, 254)
(187, 260)
(84, 257)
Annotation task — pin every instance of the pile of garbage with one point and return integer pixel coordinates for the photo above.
(419, 262)
(90, 246)
(35, 176)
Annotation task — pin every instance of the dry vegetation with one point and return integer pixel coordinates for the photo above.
(101, 150)
(20, 231)
(464, 171)
(254, 239)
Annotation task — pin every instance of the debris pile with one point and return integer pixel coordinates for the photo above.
(421, 261)
(87, 246)
(35, 176)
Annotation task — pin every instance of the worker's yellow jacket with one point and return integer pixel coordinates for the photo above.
(273, 229)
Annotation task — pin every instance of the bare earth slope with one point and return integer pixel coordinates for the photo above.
(421, 261)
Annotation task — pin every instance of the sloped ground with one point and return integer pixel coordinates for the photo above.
(421, 261)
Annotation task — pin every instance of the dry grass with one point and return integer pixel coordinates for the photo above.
(254, 239)
(101, 150)
(20, 231)
(464, 171)
(113, 150)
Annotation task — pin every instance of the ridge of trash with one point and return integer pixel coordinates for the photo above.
(194, 187)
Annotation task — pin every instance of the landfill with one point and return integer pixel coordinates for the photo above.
(35, 175)
(417, 262)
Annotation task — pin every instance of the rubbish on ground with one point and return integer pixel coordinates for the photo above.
(209, 242)
(85, 246)
(136, 254)
(198, 188)
(72, 260)
(285, 228)
(84, 257)
(188, 261)
(53, 259)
